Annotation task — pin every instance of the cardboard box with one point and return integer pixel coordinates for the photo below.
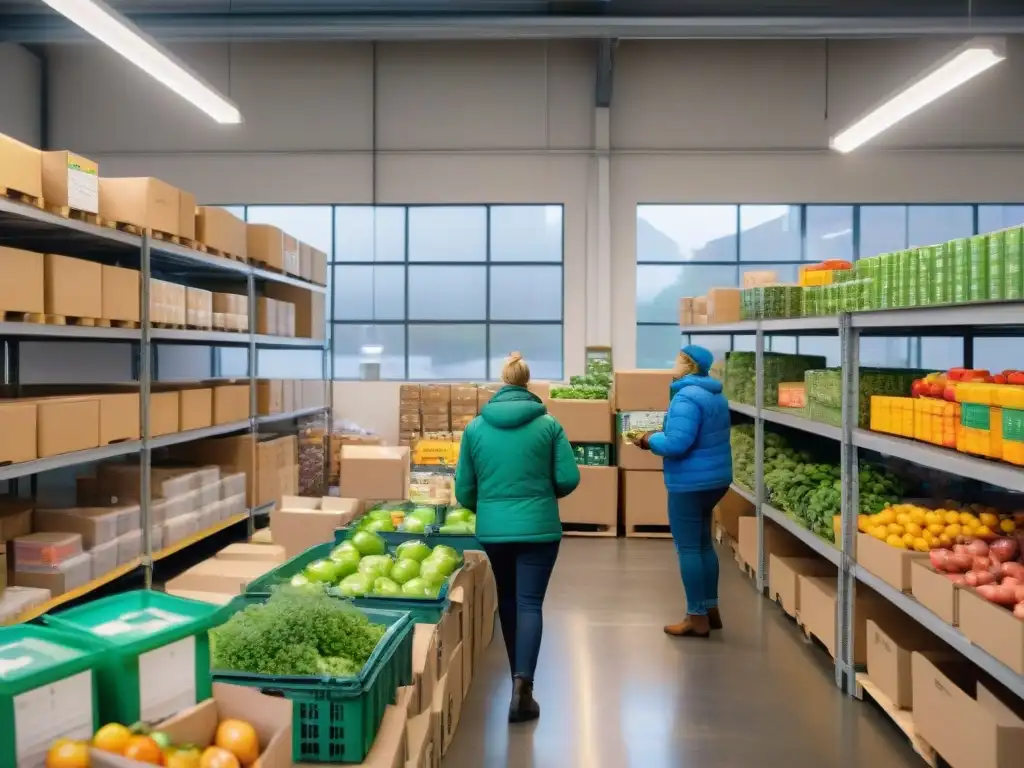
(269, 396)
(628, 455)
(644, 500)
(195, 408)
(686, 311)
(229, 577)
(729, 510)
(595, 500)
(21, 167)
(266, 316)
(213, 598)
(374, 472)
(305, 261)
(167, 303)
(753, 279)
(642, 390)
(221, 230)
(186, 215)
(723, 305)
(818, 597)
(119, 290)
(163, 413)
(145, 202)
(784, 578)
(700, 306)
(302, 522)
(934, 591)
(291, 254)
(435, 398)
(230, 403)
(991, 627)
(15, 518)
(73, 287)
(424, 663)
(66, 424)
(319, 267)
(448, 698)
(269, 553)
(119, 417)
(265, 245)
(890, 645)
(584, 421)
(18, 425)
(889, 564)
(777, 541)
(21, 289)
(950, 701)
(420, 733)
(199, 308)
(71, 180)
(305, 311)
(270, 716)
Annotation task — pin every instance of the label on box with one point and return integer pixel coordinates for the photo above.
(44, 714)
(167, 680)
(436, 452)
(83, 188)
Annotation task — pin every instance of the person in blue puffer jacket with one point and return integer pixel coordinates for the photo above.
(694, 443)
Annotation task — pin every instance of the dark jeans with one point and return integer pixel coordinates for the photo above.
(522, 571)
(689, 517)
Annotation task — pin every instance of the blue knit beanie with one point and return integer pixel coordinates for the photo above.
(701, 356)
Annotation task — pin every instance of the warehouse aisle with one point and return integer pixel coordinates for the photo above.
(617, 693)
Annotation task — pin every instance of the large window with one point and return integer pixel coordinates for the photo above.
(446, 292)
(682, 250)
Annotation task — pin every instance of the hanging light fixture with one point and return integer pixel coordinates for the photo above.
(964, 64)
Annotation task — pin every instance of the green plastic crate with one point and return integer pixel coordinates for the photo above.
(425, 610)
(1013, 264)
(156, 652)
(335, 720)
(48, 690)
(592, 454)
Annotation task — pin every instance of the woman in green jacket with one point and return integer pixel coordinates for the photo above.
(514, 465)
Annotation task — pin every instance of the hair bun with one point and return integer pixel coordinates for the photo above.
(515, 357)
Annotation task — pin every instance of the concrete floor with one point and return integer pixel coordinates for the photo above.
(616, 692)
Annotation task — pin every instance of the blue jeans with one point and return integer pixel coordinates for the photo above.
(522, 571)
(689, 517)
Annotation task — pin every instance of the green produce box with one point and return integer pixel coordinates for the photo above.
(887, 274)
(925, 274)
(960, 266)
(394, 538)
(1013, 264)
(812, 299)
(428, 610)
(48, 690)
(978, 269)
(942, 274)
(741, 441)
(866, 271)
(1013, 425)
(156, 652)
(740, 378)
(592, 454)
(908, 267)
(824, 414)
(335, 720)
(996, 266)
(825, 389)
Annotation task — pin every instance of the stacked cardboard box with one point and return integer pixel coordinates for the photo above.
(410, 426)
(339, 439)
(274, 396)
(435, 410)
(373, 473)
(641, 399)
(199, 308)
(167, 303)
(148, 203)
(220, 578)
(230, 312)
(21, 167)
(301, 522)
(222, 232)
(593, 507)
(275, 318)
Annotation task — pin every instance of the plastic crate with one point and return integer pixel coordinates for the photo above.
(425, 610)
(48, 690)
(335, 720)
(156, 657)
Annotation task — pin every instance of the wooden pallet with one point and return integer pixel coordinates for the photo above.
(170, 326)
(228, 330)
(21, 197)
(14, 316)
(648, 532)
(192, 327)
(156, 234)
(222, 254)
(810, 636)
(68, 212)
(46, 319)
(593, 530)
(266, 266)
(903, 718)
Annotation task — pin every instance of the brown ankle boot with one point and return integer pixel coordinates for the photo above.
(714, 618)
(691, 626)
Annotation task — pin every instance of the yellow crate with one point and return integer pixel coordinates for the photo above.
(816, 277)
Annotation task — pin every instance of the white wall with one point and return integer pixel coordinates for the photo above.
(504, 121)
(20, 94)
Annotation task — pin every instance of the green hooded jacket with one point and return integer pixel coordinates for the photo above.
(515, 463)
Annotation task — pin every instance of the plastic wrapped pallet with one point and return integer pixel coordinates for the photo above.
(104, 558)
(156, 538)
(14, 601)
(208, 494)
(71, 573)
(95, 526)
(180, 528)
(234, 505)
(232, 485)
(129, 547)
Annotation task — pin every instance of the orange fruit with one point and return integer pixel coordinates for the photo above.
(184, 758)
(240, 739)
(112, 737)
(145, 750)
(66, 753)
(215, 757)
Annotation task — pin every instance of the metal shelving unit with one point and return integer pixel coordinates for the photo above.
(993, 319)
(30, 228)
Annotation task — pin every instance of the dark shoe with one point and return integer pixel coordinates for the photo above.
(524, 707)
(691, 626)
(714, 618)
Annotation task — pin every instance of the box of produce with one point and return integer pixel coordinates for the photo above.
(340, 678)
(740, 374)
(592, 455)
(1013, 264)
(889, 563)
(48, 691)
(825, 387)
(594, 385)
(978, 268)
(992, 615)
(741, 440)
(156, 652)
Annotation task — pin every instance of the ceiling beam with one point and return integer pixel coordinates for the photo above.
(205, 27)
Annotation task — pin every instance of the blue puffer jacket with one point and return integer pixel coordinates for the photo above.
(695, 440)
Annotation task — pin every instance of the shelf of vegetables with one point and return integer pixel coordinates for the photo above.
(921, 448)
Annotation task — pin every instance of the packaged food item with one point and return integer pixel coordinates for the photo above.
(996, 266)
(977, 289)
(942, 273)
(1013, 264)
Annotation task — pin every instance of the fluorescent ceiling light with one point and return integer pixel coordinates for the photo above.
(965, 63)
(114, 30)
